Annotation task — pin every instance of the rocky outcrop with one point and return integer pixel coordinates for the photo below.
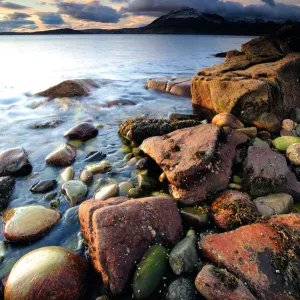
(14, 162)
(264, 79)
(7, 184)
(175, 86)
(197, 160)
(264, 255)
(48, 273)
(70, 89)
(119, 233)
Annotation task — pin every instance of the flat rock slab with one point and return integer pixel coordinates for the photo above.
(174, 86)
(119, 235)
(253, 254)
(28, 223)
(14, 162)
(266, 172)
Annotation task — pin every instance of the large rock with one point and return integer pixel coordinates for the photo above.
(266, 172)
(28, 223)
(119, 233)
(139, 129)
(7, 184)
(82, 131)
(196, 160)
(265, 256)
(14, 162)
(48, 273)
(175, 86)
(63, 155)
(70, 89)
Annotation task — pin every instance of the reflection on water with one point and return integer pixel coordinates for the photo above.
(121, 64)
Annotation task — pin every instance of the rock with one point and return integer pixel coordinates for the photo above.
(298, 130)
(234, 186)
(282, 143)
(293, 154)
(295, 114)
(220, 54)
(119, 103)
(267, 121)
(63, 155)
(70, 89)
(107, 191)
(146, 183)
(124, 188)
(195, 216)
(94, 156)
(137, 152)
(14, 162)
(181, 289)
(274, 204)
(184, 257)
(114, 250)
(7, 184)
(150, 272)
(232, 209)
(192, 157)
(233, 53)
(288, 124)
(75, 191)
(28, 223)
(47, 124)
(264, 256)
(265, 136)
(181, 117)
(142, 163)
(50, 196)
(248, 86)
(251, 132)
(43, 186)
(83, 132)
(162, 177)
(55, 266)
(68, 174)
(175, 86)
(226, 119)
(214, 283)
(284, 132)
(139, 129)
(102, 167)
(86, 176)
(257, 142)
(135, 193)
(266, 172)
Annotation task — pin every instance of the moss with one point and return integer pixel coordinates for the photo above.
(228, 280)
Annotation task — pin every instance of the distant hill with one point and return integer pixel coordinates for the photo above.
(184, 21)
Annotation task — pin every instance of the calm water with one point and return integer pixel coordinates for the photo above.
(121, 64)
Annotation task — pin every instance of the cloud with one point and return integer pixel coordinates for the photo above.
(12, 5)
(269, 2)
(92, 11)
(226, 9)
(11, 25)
(17, 16)
(50, 18)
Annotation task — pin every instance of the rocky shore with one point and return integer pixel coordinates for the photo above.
(212, 207)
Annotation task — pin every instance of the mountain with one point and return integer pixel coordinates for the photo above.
(185, 20)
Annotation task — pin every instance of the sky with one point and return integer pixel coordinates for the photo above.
(34, 15)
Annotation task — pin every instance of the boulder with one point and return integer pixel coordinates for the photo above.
(233, 53)
(274, 204)
(232, 209)
(139, 129)
(115, 250)
(266, 172)
(70, 89)
(43, 186)
(14, 162)
(48, 273)
(82, 131)
(214, 283)
(174, 86)
(264, 256)
(192, 157)
(63, 155)
(28, 223)
(7, 184)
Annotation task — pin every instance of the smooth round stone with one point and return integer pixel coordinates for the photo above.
(100, 168)
(257, 142)
(235, 186)
(107, 191)
(48, 273)
(68, 174)
(283, 142)
(146, 183)
(237, 179)
(50, 196)
(298, 130)
(28, 223)
(251, 132)
(86, 176)
(284, 132)
(75, 191)
(288, 124)
(94, 156)
(293, 154)
(63, 155)
(128, 156)
(43, 186)
(135, 193)
(124, 188)
(195, 216)
(181, 289)
(275, 204)
(83, 132)
(265, 136)
(142, 163)
(227, 119)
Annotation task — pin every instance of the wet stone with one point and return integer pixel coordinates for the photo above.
(124, 188)
(94, 156)
(288, 124)
(227, 119)
(83, 132)
(293, 154)
(195, 216)
(86, 176)
(99, 168)
(43, 186)
(146, 183)
(181, 289)
(68, 174)
(107, 191)
(63, 155)
(7, 184)
(75, 191)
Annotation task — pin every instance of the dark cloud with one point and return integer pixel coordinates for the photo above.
(11, 25)
(269, 2)
(50, 18)
(17, 16)
(227, 9)
(12, 5)
(92, 11)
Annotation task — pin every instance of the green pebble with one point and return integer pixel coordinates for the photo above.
(283, 142)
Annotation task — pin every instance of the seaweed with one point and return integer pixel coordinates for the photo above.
(228, 280)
